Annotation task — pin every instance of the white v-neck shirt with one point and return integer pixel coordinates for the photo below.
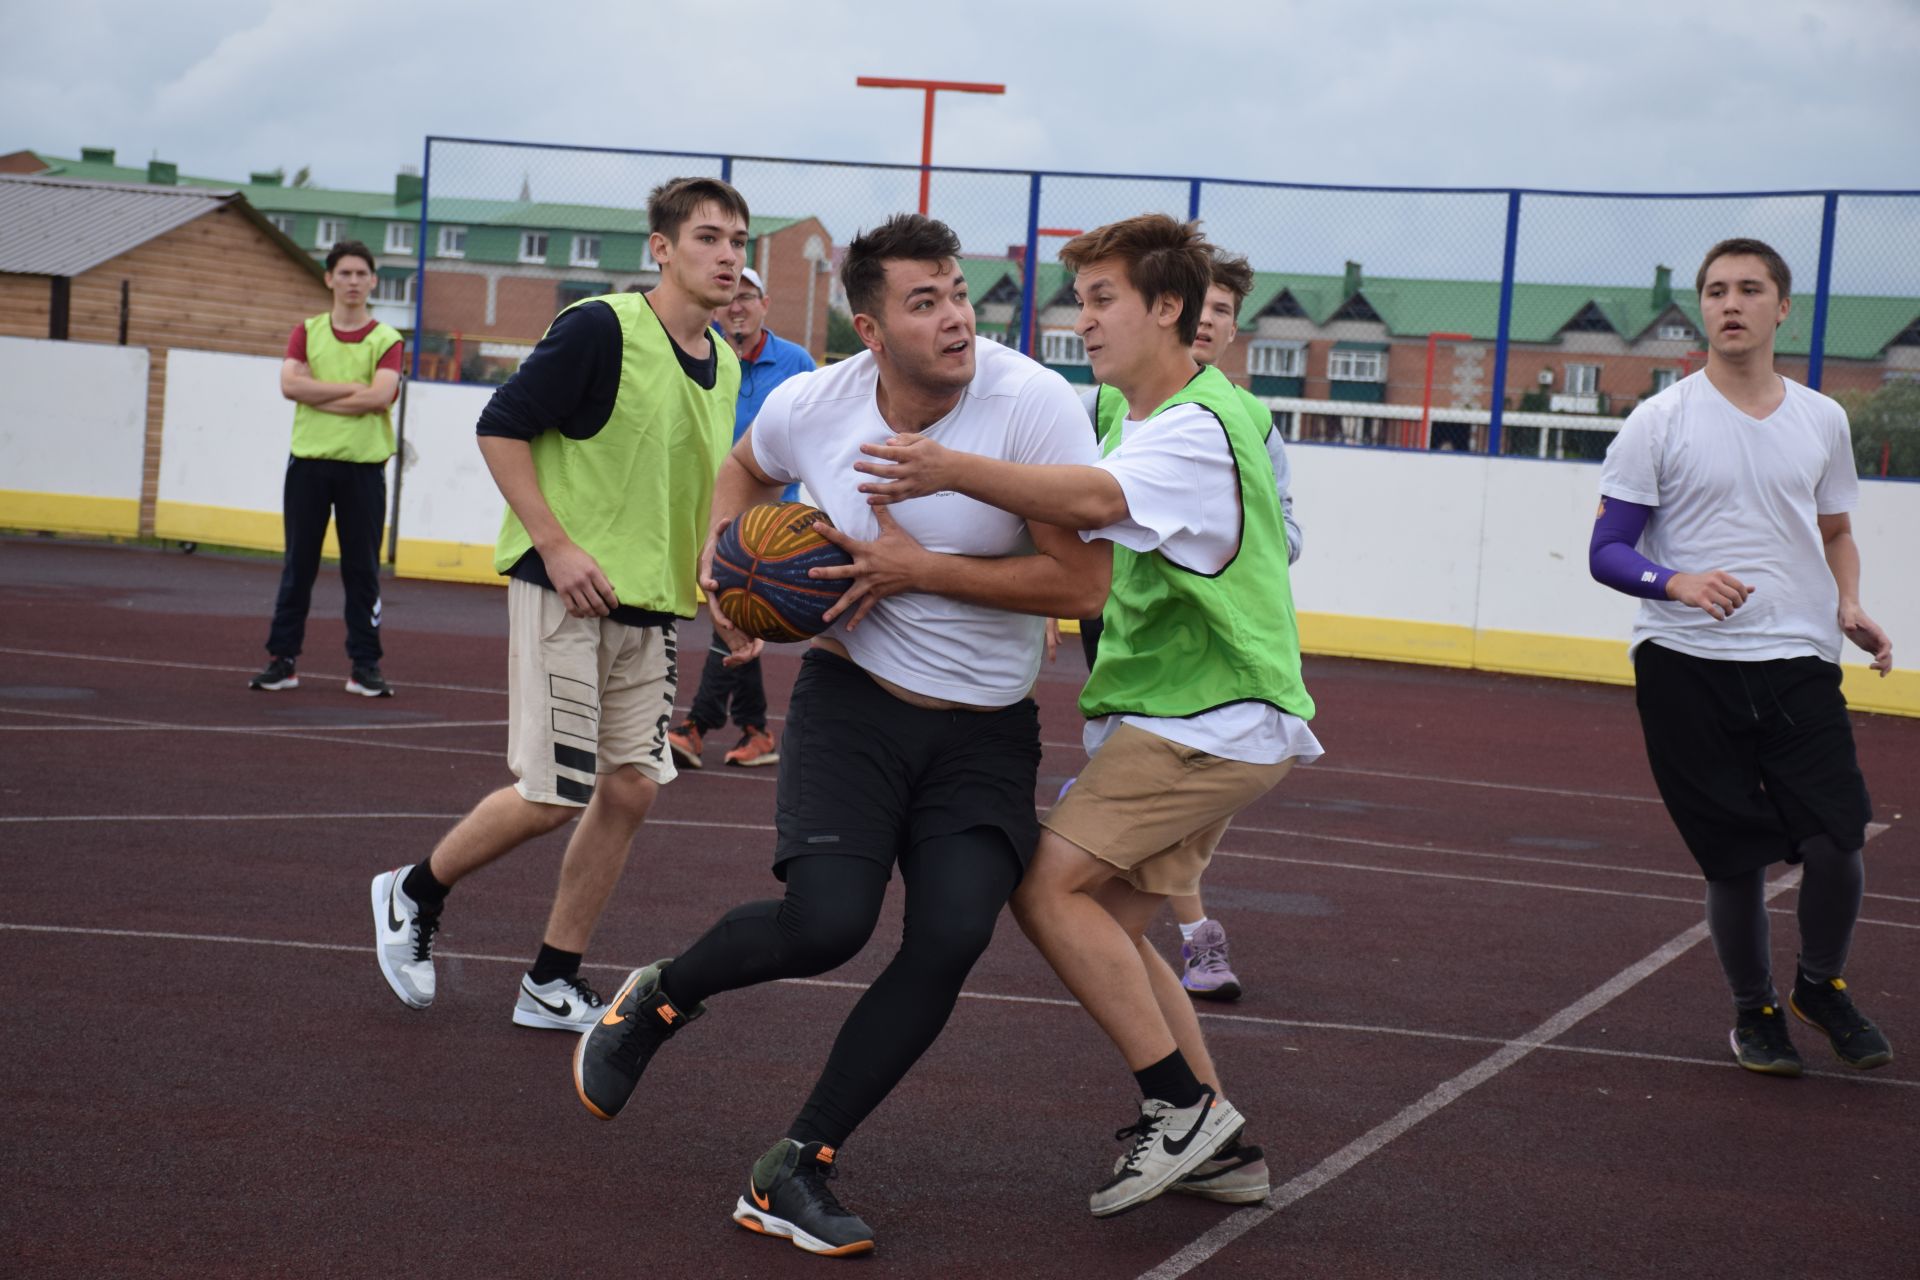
(1741, 494)
(810, 430)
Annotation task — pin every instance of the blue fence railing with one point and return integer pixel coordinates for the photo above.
(1503, 320)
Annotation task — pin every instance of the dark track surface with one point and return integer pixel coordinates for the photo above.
(203, 1073)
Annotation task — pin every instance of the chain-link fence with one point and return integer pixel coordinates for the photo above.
(1521, 323)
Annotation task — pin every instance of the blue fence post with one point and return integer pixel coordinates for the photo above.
(1823, 285)
(1193, 200)
(1029, 267)
(1506, 325)
(420, 258)
(726, 169)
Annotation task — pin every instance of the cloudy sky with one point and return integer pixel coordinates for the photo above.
(1635, 95)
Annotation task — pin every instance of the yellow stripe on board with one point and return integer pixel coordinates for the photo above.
(227, 527)
(69, 513)
(446, 561)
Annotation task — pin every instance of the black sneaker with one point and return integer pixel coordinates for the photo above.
(1760, 1042)
(1826, 1005)
(614, 1051)
(788, 1196)
(278, 675)
(368, 683)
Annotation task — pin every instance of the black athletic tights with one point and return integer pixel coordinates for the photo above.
(956, 886)
(1830, 895)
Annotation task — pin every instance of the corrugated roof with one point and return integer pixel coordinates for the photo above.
(63, 227)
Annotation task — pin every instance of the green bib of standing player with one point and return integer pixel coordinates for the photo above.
(1176, 643)
(636, 495)
(366, 437)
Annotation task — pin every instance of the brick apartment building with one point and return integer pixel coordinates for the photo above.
(1587, 350)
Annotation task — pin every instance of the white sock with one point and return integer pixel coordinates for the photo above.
(1188, 930)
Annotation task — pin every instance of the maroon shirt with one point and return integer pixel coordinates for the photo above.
(393, 359)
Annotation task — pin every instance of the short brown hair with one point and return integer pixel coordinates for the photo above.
(671, 204)
(1234, 274)
(905, 237)
(1162, 257)
(1740, 245)
(350, 249)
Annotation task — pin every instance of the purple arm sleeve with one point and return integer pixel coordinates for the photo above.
(1611, 557)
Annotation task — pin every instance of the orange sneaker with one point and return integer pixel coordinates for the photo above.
(756, 748)
(684, 738)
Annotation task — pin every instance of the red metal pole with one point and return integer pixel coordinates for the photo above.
(926, 153)
(930, 87)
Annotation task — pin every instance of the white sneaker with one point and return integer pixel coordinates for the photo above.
(403, 939)
(1237, 1174)
(565, 1004)
(1168, 1143)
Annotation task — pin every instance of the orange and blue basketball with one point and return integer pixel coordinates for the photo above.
(761, 563)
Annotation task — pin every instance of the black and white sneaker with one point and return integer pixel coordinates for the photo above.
(1164, 1145)
(278, 675)
(368, 682)
(565, 1004)
(403, 939)
(788, 1197)
(1760, 1042)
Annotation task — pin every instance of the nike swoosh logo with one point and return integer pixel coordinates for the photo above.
(1176, 1148)
(562, 1009)
(758, 1199)
(394, 922)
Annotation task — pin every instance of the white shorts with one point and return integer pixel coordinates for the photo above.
(584, 697)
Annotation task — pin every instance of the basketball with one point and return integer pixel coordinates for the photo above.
(761, 564)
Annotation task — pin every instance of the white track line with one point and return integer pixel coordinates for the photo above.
(1439, 1098)
(706, 824)
(1569, 793)
(208, 666)
(1237, 829)
(995, 997)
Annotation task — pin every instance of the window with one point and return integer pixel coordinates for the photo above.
(330, 232)
(586, 251)
(1000, 336)
(1356, 366)
(1582, 379)
(400, 237)
(1062, 346)
(282, 222)
(1664, 378)
(533, 246)
(1276, 359)
(453, 242)
(1676, 332)
(572, 291)
(394, 288)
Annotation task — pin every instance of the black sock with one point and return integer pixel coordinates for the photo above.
(1170, 1080)
(427, 893)
(553, 963)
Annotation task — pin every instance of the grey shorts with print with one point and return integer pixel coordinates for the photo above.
(584, 697)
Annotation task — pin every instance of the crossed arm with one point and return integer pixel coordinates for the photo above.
(1066, 577)
(350, 399)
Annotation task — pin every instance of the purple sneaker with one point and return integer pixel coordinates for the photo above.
(1208, 976)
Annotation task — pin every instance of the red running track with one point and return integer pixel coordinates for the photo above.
(1480, 1036)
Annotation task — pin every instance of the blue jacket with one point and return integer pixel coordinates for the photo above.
(778, 360)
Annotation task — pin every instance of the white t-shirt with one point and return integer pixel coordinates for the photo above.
(1739, 494)
(1183, 500)
(811, 429)
(1276, 452)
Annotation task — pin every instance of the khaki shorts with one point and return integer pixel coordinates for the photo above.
(584, 696)
(1154, 809)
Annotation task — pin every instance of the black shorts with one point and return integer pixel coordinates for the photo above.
(863, 773)
(1751, 757)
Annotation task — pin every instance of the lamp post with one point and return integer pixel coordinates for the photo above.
(931, 87)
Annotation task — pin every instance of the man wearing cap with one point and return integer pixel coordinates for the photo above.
(766, 361)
